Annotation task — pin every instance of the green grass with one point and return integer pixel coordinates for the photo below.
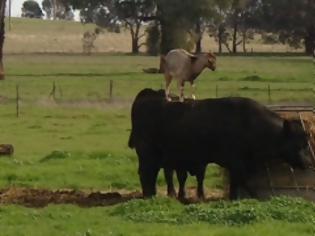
(163, 217)
(80, 140)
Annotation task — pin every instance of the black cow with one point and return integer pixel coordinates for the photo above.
(236, 133)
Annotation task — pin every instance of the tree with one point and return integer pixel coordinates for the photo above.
(112, 14)
(218, 24)
(31, 9)
(2, 15)
(178, 19)
(58, 9)
(48, 8)
(293, 20)
(132, 14)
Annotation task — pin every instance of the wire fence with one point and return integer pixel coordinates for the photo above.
(114, 91)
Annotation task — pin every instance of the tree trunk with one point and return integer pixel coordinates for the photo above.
(2, 13)
(220, 37)
(199, 35)
(166, 37)
(309, 41)
(135, 44)
(198, 45)
(244, 41)
(235, 28)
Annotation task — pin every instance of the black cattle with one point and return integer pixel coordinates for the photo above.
(236, 133)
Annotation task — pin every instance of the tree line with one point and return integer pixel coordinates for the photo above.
(183, 23)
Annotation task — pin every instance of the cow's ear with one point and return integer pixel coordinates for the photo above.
(287, 128)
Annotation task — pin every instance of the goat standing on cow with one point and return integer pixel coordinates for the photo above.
(183, 66)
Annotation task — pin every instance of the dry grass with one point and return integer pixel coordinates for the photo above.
(33, 35)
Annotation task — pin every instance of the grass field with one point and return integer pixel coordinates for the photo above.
(79, 139)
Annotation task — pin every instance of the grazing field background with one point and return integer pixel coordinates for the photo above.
(34, 35)
(77, 138)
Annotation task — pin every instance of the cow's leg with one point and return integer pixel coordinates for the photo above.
(234, 186)
(182, 177)
(239, 179)
(148, 178)
(168, 174)
(192, 88)
(168, 80)
(200, 178)
(148, 170)
(181, 84)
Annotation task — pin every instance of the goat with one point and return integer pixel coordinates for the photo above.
(184, 66)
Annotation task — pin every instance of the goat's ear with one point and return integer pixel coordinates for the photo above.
(212, 55)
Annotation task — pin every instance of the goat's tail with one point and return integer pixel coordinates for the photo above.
(162, 63)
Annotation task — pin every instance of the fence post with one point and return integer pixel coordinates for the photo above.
(17, 101)
(111, 87)
(269, 94)
(53, 91)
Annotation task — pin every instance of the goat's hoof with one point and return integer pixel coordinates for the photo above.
(193, 97)
(168, 99)
(181, 99)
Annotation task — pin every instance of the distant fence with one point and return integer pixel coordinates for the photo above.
(113, 91)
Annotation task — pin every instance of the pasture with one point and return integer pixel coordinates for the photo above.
(79, 141)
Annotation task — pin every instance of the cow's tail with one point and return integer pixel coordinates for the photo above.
(131, 142)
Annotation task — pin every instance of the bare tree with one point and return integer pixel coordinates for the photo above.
(2, 14)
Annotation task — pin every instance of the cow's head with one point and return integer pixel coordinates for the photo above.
(295, 144)
(211, 61)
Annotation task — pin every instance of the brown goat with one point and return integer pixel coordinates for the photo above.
(183, 66)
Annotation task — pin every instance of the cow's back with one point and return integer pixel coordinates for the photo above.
(211, 128)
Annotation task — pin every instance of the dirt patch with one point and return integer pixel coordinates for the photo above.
(38, 198)
(42, 197)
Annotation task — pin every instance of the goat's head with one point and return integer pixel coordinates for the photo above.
(211, 61)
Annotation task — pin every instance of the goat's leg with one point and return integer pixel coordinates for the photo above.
(181, 84)
(168, 80)
(168, 173)
(182, 177)
(192, 88)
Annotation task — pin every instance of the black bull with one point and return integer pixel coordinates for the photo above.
(236, 133)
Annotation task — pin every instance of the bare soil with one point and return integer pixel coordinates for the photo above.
(38, 198)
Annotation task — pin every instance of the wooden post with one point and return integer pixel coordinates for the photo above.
(17, 101)
(111, 87)
(269, 94)
(2, 33)
(53, 91)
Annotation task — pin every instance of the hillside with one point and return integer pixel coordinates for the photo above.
(34, 35)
